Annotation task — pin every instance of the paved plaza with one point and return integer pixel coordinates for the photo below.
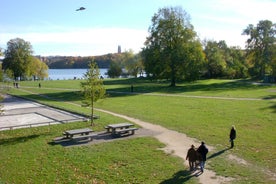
(20, 113)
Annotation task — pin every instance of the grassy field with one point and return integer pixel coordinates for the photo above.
(187, 108)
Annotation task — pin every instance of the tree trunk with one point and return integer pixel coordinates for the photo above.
(172, 82)
(92, 112)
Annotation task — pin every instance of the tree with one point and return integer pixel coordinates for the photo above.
(114, 70)
(224, 61)
(92, 88)
(131, 62)
(36, 68)
(1, 71)
(216, 63)
(134, 65)
(17, 57)
(236, 63)
(261, 46)
(172, 48)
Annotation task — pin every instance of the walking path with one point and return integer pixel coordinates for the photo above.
(176, 144)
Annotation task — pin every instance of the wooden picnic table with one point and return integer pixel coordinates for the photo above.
(82, 132)
(121, 128)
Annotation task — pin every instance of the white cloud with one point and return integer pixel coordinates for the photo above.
(226, 19)
(91, 41)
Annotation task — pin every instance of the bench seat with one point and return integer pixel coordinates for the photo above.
(126, 130)
(89, 137)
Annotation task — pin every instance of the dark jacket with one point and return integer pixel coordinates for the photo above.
(232, 134)
(191, 155)
(202, 150)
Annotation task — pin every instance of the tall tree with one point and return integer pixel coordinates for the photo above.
(17, 57)
(92, 88)
(114, 70)
(134, 65)
(36, 69)
(172, 48)
(216, 63)
(261, 46)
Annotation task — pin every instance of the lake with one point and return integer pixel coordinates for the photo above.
(66, 74)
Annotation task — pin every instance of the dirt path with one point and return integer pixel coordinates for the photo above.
(176, 144)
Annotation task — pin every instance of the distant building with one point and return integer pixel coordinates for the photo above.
(119, 49)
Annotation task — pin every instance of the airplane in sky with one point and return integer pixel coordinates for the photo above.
(80, 9)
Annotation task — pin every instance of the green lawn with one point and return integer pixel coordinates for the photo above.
(201, 118)
(29, 156)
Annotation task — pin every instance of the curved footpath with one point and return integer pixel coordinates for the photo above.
(176, 144)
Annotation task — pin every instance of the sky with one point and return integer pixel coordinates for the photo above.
(54, 27)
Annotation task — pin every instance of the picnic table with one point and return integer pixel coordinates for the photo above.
(78, 133)
(121, 128)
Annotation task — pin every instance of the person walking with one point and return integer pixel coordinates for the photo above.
(202, 150)
(191, 156)
(232, 135)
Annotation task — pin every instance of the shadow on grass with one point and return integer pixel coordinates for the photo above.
(272, 107)
(118, 88)
(184, 176)
(272, 104)
(218, 153)
(99, 137)
(16, 140)
(270, 97)
(163, 86)
(181, 177)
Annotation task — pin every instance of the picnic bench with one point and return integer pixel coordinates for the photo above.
(121, 128)
(79, 134)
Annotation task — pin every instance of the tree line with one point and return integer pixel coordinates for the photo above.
(172, 51)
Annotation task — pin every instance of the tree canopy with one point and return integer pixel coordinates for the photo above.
(261, 46)
(172, 50)
(19, 60)
(224, 61)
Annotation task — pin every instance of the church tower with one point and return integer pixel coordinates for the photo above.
(119, 49)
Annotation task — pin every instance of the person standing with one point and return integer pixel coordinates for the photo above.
(202, 150)
(232, 135)
(191, 156)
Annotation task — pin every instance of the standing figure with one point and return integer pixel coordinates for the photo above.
(191, 156)
(202, 150)
(232, 135)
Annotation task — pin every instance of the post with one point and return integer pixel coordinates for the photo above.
(131, 88)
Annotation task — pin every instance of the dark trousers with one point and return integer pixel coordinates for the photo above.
(232, 143)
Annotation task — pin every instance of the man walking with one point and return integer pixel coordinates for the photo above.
(202, 150)
(232, 135)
